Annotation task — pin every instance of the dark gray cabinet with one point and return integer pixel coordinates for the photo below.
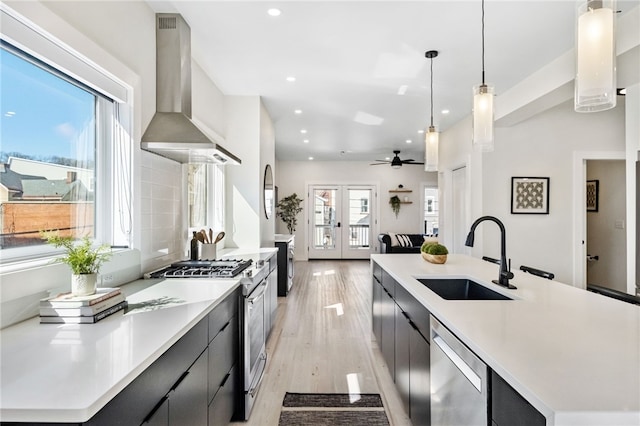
(400, 324)
(388, 342)
(188, 403)
(403, 365)
(194, 382)
(508, 407)
(286, 250)
(376, 308)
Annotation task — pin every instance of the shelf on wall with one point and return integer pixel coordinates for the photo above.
(400, 190)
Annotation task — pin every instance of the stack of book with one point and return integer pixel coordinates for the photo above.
(69, 309)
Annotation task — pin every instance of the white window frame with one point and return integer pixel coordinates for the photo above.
(26, 36)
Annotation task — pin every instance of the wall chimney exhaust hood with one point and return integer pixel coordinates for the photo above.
(171, 132)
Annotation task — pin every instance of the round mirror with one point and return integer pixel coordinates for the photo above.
(268, 192)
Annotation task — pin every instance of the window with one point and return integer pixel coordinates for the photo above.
(431, 211)
(55, 157)
(205, 196)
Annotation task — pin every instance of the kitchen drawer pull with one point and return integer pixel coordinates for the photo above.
(224, 381)
(224, 326)
(155, 409)
(176, 384)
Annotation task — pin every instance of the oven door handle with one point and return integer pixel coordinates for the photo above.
(258, 293)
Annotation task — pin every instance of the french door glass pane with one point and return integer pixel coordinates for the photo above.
(359, 203)
(324, 214)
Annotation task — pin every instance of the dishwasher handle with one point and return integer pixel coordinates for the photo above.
(468, 372)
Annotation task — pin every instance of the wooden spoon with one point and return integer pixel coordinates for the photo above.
(219, 237)
(204, 236)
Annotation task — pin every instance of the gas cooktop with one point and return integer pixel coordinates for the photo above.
(218, 268)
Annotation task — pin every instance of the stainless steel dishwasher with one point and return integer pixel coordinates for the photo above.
(458, 381)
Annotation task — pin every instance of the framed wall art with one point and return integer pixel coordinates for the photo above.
(593, 187)
(530, 195)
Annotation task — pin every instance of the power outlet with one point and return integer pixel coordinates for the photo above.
(619, 224)
(107, 279)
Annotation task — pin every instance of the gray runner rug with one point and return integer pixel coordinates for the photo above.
(331, 409)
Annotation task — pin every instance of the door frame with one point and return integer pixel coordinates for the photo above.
(374, 208)
(580, 211)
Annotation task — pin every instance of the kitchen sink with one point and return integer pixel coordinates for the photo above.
(461, 289)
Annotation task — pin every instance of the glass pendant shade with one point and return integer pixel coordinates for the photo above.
(483, 117)
(595, 83)
(431, 150)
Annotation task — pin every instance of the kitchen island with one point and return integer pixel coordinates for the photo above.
(572, 354)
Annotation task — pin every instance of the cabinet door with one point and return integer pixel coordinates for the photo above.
(222, 406)
(419, 379)
(222, 355)
(508, 407)
(376, 310)
(402, 368)
(188, 399)
(387, 342)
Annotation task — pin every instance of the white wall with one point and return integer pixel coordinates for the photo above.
(541, 146)
(267, 149)
(295, 176)
(604, 238)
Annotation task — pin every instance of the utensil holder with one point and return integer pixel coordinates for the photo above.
(208, 251)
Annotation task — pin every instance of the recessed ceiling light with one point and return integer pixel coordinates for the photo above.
(291, 79)
(298, 111)
(310, 158)
(306, 141)
(408, 141)
(402, 89)
(420, 131)
(445, 111)
(303, 131)
(274, 12)
(387, 158)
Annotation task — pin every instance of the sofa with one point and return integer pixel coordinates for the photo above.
(389, 243)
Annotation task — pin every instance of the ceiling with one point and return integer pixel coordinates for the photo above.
(350, 59)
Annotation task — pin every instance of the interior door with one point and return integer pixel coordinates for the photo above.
(340, 221)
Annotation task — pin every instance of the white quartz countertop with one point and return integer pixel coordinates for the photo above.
(68, 372)
(573, 354)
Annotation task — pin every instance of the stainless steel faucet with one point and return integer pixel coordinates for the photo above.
(505, 271)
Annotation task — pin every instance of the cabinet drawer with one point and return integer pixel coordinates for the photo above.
(377, 271)
(223, 354)
(220, 315)
(138, 399)
(388, 283)
(222, 407)
(418, 314)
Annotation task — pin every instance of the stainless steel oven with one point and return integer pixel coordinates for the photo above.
(252, 340)
(254, 353)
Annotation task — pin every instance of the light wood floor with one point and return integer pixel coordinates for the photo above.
(322, 341)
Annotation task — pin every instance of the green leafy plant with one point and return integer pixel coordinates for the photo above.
(395, 204)
(289, 207)
(435, 249)
(81, 257)
(425, 245)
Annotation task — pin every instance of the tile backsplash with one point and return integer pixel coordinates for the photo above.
(162, 216)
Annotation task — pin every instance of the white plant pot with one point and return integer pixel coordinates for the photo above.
(83, 284)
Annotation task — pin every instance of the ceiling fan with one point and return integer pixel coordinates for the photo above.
(396, 162)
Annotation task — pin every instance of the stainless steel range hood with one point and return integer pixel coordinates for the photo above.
(171, 132)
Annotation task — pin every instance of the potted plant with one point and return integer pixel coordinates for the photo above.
(83, 259)
(395, 204)
(433, 252)
(289, 207)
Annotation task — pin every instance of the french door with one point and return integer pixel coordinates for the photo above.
(340, 221)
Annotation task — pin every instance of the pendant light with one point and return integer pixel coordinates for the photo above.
(595, 83)
(431, 136)
(483, 108)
